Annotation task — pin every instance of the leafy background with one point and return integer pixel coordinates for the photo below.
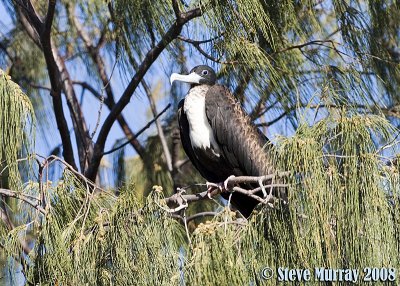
(320, 78)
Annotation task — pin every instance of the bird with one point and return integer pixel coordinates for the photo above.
(218, 136)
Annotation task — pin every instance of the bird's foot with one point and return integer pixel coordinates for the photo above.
(212, 187)
(227, 184)
(221, 187)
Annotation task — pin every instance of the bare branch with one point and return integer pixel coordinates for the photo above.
(249, 194)
(86, 85)
(300, 46)
(196, 44)
(102, 38)
(30, 12)
(175, 6)
(177, 198)
(160, 131)
(182, 200)
(34, 27)
(150, 57)
(37, 86)
(53, 158)
(94, 53)
(49, 19)
(393, 111)
(139, 132)
(29, 28)
(121, 120)
(276, 119)
(13, 194)
(253, 179)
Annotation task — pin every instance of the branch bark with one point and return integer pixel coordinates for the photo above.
(94, 52)
(40, 34)
(182, 200)
(60, 81)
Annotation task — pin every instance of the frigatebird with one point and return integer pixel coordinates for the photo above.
(218, 136)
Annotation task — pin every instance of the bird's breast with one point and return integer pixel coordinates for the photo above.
(200, 131)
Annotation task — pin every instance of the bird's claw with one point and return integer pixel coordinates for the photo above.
(227, 187)
(260, 183)
(212, 187)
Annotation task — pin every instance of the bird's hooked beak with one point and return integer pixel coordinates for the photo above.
(190, 78)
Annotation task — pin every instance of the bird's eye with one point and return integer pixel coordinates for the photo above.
(204, 72)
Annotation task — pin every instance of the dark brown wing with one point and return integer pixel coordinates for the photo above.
(242, 144)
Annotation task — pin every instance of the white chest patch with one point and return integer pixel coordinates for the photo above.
(200, 131)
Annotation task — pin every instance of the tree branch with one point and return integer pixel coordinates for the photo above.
(24, 198)
(175, 6)
(160, 131)
(89, 87)
(276, 119)
(182, 200)
(196, 44)
(139, 132)
(177, 198)
(94, 53)
(30, 12)
(49, 19)
(300, 46)
(150, 57)
(33, 26)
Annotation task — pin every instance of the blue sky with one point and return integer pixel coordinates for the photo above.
(136, 113)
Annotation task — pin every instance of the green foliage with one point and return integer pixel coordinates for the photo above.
(101, 240)
(17, 122)
(343, 205)
(329, 68)
(340, 209)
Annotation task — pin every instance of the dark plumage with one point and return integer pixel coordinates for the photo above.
(241, 147)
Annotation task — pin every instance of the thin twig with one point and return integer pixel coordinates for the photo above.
(182, 200)
(139, 132)
(253, 179)
(98, 116)
(105, 87)
(300, 46)
(53, 158)
(22, 197)
(196, 44)
(160, 131)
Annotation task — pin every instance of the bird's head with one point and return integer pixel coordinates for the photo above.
(198, 75)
